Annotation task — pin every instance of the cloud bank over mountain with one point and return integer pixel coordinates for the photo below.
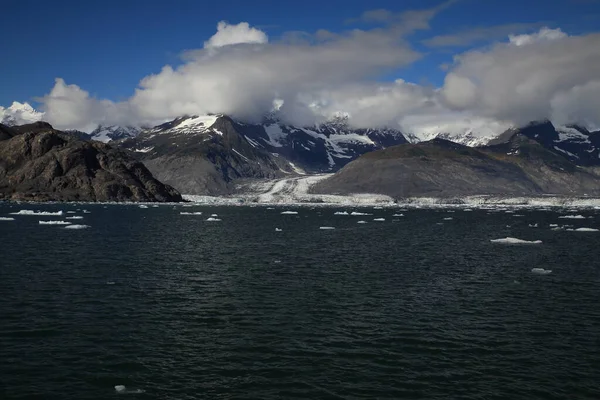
(239, 71)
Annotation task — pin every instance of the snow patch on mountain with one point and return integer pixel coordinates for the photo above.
(106, 134)
(19, 114)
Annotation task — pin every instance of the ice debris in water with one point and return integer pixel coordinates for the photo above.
(533, 225)
(31, 212)
(54, 223)
(74, 217)
(361, 222)
(510, 240)
(583, 230)
(70, 212)
(7, 219)
(341, 213)
(553, 225)
(579, 216)
(77, 226)
(541, 271)
(467, 209)
(213, 215)
(191, 213)
(123, 390)
(398, 215)
(359, 213)
(325, 228)
(278, 230)
(212, 219)
(143, 206)
(379, 219)
(86, 211)
(448, 219)
(289, 212)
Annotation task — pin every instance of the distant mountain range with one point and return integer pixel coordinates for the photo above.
(215, 154)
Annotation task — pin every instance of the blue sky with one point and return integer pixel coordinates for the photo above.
(106, 47)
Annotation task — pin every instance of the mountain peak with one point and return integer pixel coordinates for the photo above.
(19, 114)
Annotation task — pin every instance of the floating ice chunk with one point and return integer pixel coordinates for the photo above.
(270, 208)
(439, 223)
(572, 216)
(518, 215)
(278, 230)
(448, 219)
(326, 228)
(191, 213)
(398, 215)
(585, 230)
(70, 212)
(54, 223)
(341, 213)
(510, 240)
(77, 226)
(509, 212)
(143, 206)
(123, 390)
(212, 219)
(31, 212)
(379, 219)
(74, 217)
(467, 209)
(377, 208)
(541, 271)
(120, 388)
(7, 219)
(289, 212)
(86, 211)
(361, 222)
(213, 215)
(155, 206)
(553, 225)
(359, 213)
(533, 225)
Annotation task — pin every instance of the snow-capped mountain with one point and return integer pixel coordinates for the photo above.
(114, 132)
(19, 114)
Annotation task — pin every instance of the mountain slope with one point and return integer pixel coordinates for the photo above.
(439, 168)
(39, 163)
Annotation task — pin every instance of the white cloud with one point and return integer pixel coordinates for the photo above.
(228, 34)
(544, 34)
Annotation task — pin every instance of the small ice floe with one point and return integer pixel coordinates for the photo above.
(377, 208)
(278, 230)
(359, 213)
(214, 215)
(122, 389)
(579, 216)
(7, 219)
(448, 219)
(541, 271)
(508, 226)
(533, 225)
(289, 212)
(212, 219)
(361, 222)
(398, 215)
(143, 206)
(270, 208)
(31, 212)
(110, 282)
(518, 215)
(326, 228)
(77, 226)
(509, 212)
(583, 230)
(54, 223)
(439, 223)
(155, 206)
(379, 219)
(510, 240)
(467, 209)
(553, 225)
(277, 261)
(191, 213)
(74, 217)
(86, 211)
(341, 213)
(70, 212)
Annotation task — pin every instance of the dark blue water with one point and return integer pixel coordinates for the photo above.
(181, 308)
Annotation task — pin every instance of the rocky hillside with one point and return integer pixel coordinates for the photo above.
(439, 168)
(39, 163)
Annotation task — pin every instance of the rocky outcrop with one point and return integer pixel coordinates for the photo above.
(38, 163)
(438, 168)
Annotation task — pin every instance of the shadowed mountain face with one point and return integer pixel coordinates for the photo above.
(438, 168)
(39, 163)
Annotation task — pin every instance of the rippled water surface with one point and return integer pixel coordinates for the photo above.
(174, 307)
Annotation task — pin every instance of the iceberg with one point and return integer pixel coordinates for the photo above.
(541, 271)
(191, 213)
(533, 225)
(74, 217)
(359, 213)
(361, 222)
(123, 390)
(341, 213)
(143, 206)
(7, 219)
(583, 230)
(54, 223)
(510, 240)
(398, 215)
(448, 219)
(326, 228)
(212, 219)
(379, 219)
(278, 230)
(289, 212)
(31, 212)
(77, 226)
(579, 216)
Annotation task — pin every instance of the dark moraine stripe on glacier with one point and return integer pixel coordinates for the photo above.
(234, 309)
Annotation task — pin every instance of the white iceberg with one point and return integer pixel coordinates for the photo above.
(278, 230)
(38, 213)
(359, 213)
(7, 219)
(379, 219)
(361, 222)
(143, 206)
(123, 390)
(212, 219)
(533, 225)
(510, 240)
(70, 212)
(74, 217)
(584, 230)
(77, 226)
(553, 225)
(86, 211)
(398, 215)
(448, 219)
(54, 223)
(341, 213)
(541, 271)
(325, 228)
(191, 213)
(579, 216)
(289, 212)
(213, 215)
